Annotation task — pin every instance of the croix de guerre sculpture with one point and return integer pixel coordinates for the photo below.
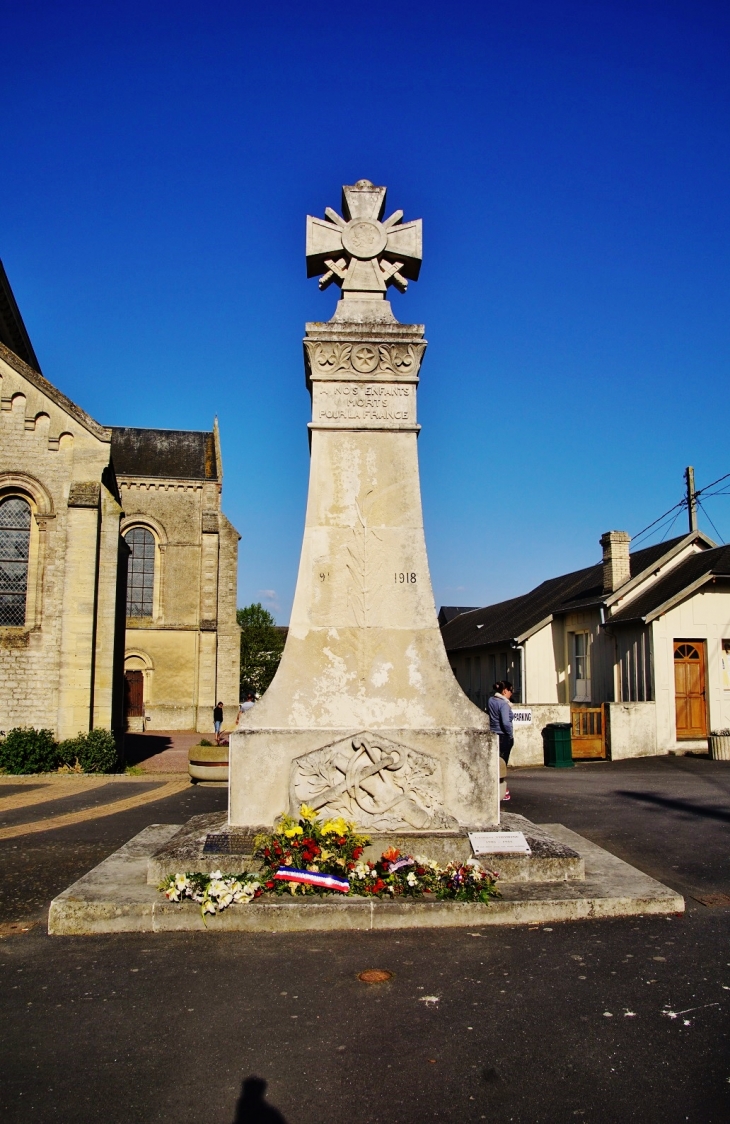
(364, 718)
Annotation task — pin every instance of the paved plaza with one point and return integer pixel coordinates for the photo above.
(592, 1021)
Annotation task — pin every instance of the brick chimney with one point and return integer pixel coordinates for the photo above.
(616, 566)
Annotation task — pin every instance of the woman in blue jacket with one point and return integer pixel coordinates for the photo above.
(500, 721)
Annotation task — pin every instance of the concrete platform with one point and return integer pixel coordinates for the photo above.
(115, 897)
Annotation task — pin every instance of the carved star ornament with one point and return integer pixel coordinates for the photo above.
(360, 252)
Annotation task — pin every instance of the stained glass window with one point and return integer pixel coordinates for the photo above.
(14, 549)
(140, 572)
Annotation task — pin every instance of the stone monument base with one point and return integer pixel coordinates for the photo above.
(401, 779)
(115, 897)
(206, 843)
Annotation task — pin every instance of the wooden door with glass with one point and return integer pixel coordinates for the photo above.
(690, 695)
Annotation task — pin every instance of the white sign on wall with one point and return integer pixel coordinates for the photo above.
(521, 716)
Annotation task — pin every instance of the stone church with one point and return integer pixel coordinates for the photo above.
(117, 564)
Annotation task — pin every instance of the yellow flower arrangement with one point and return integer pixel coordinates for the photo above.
(339, 826)
(292, 831)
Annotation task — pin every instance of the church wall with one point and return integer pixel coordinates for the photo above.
(48, 666)
(229, 632)
(168, 658)
(192, 638)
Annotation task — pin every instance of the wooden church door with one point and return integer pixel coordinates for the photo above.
(134, 694)
(689, 689)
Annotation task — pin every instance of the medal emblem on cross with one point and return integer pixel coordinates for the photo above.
(360, 252)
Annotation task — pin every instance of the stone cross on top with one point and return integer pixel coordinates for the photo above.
(360, 253)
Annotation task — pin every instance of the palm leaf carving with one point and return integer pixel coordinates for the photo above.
(365, 561)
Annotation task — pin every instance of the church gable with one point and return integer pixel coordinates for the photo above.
(35, 405)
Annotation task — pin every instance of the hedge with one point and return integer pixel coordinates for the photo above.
(25, 750)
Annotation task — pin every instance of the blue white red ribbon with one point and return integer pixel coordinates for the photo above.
(313, 878)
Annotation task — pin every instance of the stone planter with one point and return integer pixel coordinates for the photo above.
(720, 746)
(208, 763)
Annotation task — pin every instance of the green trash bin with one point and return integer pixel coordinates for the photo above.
(557, 749)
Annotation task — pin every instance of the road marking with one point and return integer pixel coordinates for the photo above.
(46, 794)
(51, 823)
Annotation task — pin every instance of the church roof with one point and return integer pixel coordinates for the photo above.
(171, 453)
(12, 329)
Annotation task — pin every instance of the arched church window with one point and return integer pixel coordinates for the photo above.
(14, 551)
(140, 572)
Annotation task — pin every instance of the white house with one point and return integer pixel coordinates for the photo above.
(634, 651)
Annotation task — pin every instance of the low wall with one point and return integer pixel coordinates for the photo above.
(528, 739)
(170, 717)
(631, 729)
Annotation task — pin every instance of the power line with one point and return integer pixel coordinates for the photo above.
(682, 503)
(712, 485)
(658, 524)
(700, 504)
(676, 517)
(719, 492)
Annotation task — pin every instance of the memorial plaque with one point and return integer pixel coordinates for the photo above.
(499, 843)
(229, 843)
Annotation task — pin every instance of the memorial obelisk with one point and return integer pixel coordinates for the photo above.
(364, 717)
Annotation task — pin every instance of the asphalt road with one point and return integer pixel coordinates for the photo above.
(593, 1021)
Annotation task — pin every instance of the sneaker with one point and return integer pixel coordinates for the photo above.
(507, 795)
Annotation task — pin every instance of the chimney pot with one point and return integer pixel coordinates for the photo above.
(616, 564)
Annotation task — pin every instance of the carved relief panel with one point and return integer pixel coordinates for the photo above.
(334, 359)
(381, 785)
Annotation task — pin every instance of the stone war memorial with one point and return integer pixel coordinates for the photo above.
(364, 722)
(364, 718)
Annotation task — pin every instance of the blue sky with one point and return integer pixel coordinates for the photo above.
(570, 162)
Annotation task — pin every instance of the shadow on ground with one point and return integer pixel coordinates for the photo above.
(252, 1108)
(139, 747)
(690, 807)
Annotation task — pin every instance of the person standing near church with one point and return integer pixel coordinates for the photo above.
(218, 721)
(500, 721)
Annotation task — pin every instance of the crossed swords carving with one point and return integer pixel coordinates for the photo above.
(356, 773)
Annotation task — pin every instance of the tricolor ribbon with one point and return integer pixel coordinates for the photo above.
(313, 878)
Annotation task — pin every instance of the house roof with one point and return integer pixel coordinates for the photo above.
(448, 612)
(686, 576)
(12, 329)
(514, 620)
(171, 453)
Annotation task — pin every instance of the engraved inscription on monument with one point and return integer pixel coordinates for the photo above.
(363, 403)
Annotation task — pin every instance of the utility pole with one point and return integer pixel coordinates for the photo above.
(689, 475)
